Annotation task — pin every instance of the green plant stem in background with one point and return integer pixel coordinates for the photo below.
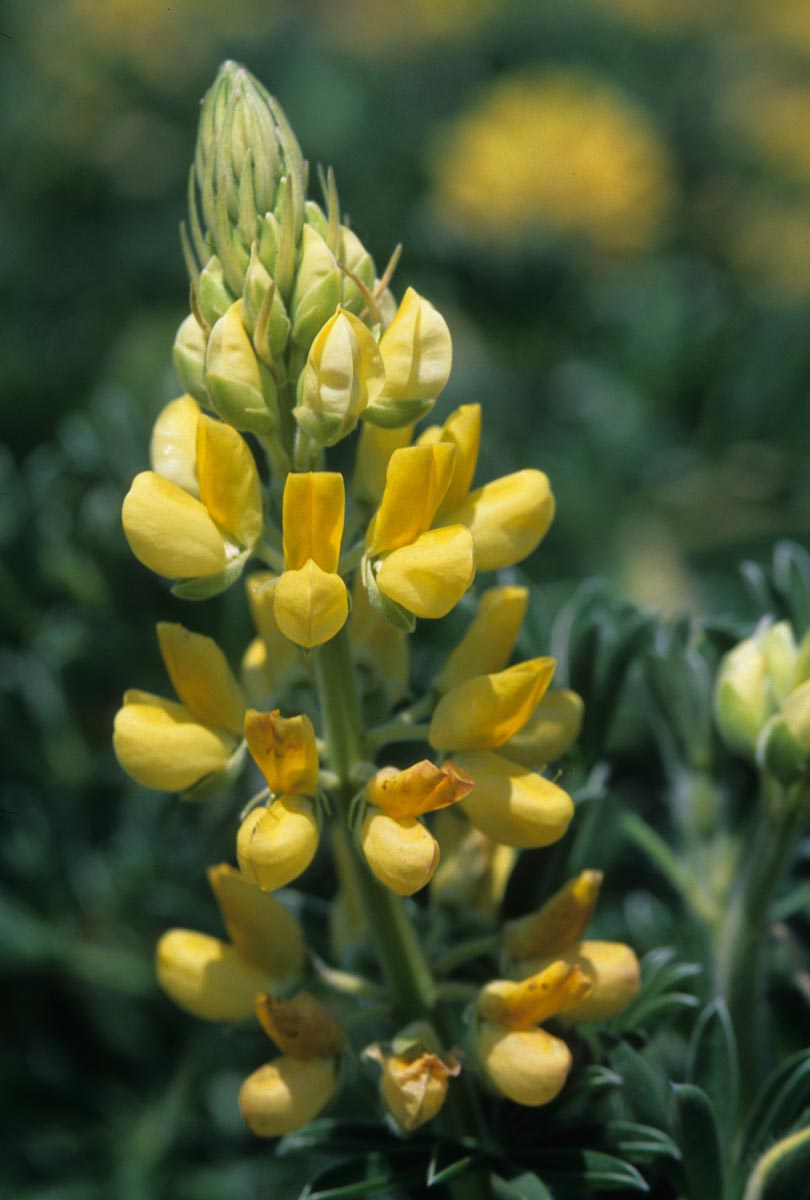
(741, 936)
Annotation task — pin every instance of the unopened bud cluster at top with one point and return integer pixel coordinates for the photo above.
(295, 340)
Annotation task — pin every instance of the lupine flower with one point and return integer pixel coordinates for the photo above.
(218, 980)
(173, 746)
(311, 602)
(414, 1079)
(417, 355)
(276, 842)
(271, 661)
(199, 511)
(344, 374)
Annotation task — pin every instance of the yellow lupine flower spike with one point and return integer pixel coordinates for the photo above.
(311, 603)
(553, 990)
(187, 534)
(485, 712)
(173, 747)
(284, 749)
(488, 643)
(561, 921)
(419, 789)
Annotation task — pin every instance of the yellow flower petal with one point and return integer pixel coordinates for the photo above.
(560, 922)
(169, 531)
(311, 605)
(613, 971)
(264, 933)
(550, 731)
(485, 712)
(419, 789)
(206, 977)
(229, 481)
(374, 450)
(284, 750)
(300, 1026)
(513, 805)
(474, 870)
(201, 677)
(528, 1066)
(417, 351)
(275, 844)
(402, 854)
(488, 643)
(273, 659)
(413, 1085)
(507, 518)
(430, 576)
(173, 448)
(554, 989)
(379, 647)
(415, 483)
(314, 503)
(344, 373)
(284, 1095)
(462, 429)
(161, 745)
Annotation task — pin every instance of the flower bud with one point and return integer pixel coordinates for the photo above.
(263, 932)
(213, 294)
(189, 358)
(316, 292)
(413, 1084)
(357, 262)
(207, 977)
(612, 970)
(241, 388)
(741, 700)
(418, 354)
(550, 731)
(513, 805)
(507, 518)
(528, 1066)
(783, 747)
(343, 374)
(560, 922)
(402, 854)
(485, 712)
(276, 843)
(488, 643)
(284, 1095)
(263, 312)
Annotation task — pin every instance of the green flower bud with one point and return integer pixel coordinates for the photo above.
(189, 359)
(263, 312)
(353, 255)
(316, 292)
(213, 294)
(241, 388)
(343, 374)
(783, 748)
(741, 700)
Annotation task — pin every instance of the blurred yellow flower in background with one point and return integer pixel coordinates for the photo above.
(561, 152)
(769, 111)
(397, 25)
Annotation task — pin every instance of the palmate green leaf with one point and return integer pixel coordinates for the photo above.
(522, 1187)
(578, 1172)
(699, 1140)
(631, 1140)
(782, 1098)
(782, 1172)
(645, 1087)
(713, 1064)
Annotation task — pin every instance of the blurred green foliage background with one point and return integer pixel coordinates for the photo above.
(610, 202)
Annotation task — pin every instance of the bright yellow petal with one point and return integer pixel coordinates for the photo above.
(276, 843)
(161, 745)
(311, 605)
(462, 429)
(419, 789)
(417, 351)
(555, 989)
(429, 577)
(284, 750)
(264, 933)
(378, 646)
(169, 531)
(550, 731)
(201, 677)
(285, 1094)
(613, 972)
(344, 371)
(374, 450)
(300, 1026)
(314, 503)
(275, 659)
(229, 481)
(402, 854)
(173, 449)
(513, 805)
(528, 1066)
(507, 518)
(559, 924)
(488, 643)
(485, 712)
(206, 977)
(415, 483)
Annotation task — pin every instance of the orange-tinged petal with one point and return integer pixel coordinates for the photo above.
(429, 577)
(314, 503)
(201, 677)
(173, 448)
(485, 712)
(613, 972)
(508, 518)
(462, 429)
(229, 481)
(310, 605)
(555, 989)
(169, 531)
(513, 805)
(559, 923)
(415, 483)
(284, 750)
(301, 1026)
(488, 643)
(419, 789)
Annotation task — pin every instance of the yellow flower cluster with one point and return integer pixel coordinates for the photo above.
(295, 341)
(560, 153)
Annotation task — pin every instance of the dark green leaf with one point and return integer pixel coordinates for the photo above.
(784, 1095)
(522, 1187)
(782, 1173)
(576, 1172)
(714, 1066)
(334, 1136)
(645, 1087)
(448, 1162)
(796, 901)
(345, 1181)
(635, 1141)
(699, 1140)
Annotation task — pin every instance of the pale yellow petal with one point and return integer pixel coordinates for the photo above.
(508, 518)
(485, 712)
(173, 448)
(206, 977)
(229, 481)
(169, 531)
(284, 1095)
(417, 351)
(429, 577)
(402, 854)
(528, 1066)
(161, 745)
(374, 449)
(513, 805)
(311, 605)
(550, 731)
(462, 429)
(415, 483)
(276, 843)
(201, 677)
(488, 643)
(314, 503)
(264, 933)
